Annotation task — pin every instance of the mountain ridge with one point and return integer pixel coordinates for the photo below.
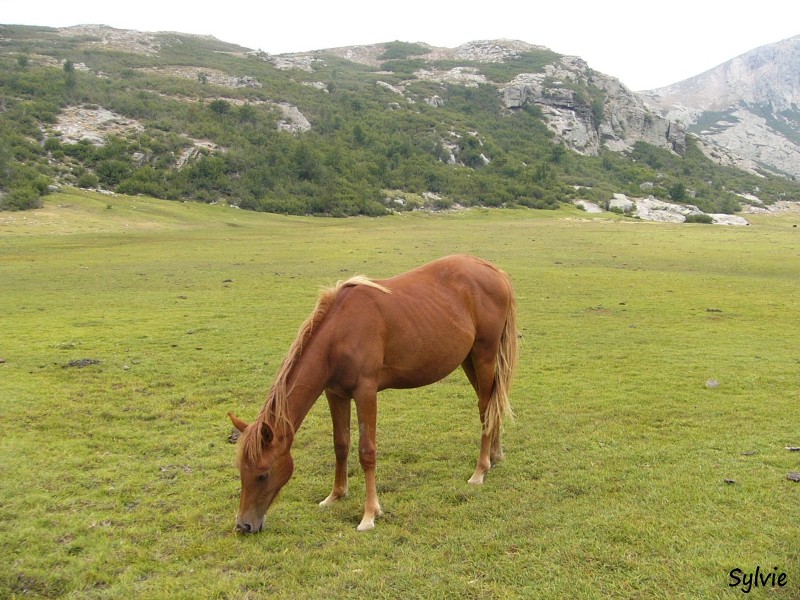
(349, 130)
(766, 74)
(612, 116)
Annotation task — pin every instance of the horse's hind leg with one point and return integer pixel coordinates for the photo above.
(340, 415)
(480, 372)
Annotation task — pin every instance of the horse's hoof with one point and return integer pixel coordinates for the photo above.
(476, 479)
(368, 522)
(332, 499)
(366, 525)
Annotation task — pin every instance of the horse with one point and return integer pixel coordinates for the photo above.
(365, 336)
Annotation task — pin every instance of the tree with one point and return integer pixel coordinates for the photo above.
(358, 135)
(597, 112)
(306, 163)
(69, 75)
(247, 114)
(557, 153)
(677, 192)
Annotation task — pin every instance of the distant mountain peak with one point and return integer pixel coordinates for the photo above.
(766, 75)
(746, 111)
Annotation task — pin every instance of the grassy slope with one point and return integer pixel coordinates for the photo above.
(118, 480)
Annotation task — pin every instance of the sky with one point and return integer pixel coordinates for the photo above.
(644, 44)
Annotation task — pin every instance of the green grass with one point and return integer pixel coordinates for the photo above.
(118, 481)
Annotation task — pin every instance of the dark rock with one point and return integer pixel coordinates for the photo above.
(82, 362)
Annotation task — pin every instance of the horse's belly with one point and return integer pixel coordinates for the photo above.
(425, 364)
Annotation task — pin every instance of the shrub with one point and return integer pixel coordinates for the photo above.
(52, 144)
(701, 218)
(21, 198)
(399, 50)
(88, 180)
(287, 206)
(112, 172)
(221, 107)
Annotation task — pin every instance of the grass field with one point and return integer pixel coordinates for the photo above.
(118, 480)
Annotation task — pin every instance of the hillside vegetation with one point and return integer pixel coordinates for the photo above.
(188, 117)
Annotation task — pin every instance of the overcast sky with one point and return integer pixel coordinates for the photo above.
(644, 44)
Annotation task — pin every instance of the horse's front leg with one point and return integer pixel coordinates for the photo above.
(340, 415)
(367, 410)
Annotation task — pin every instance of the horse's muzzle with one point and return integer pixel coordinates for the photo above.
(247, 527)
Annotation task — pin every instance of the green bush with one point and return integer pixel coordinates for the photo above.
(677, 192)
(400, 50)
(87, 180)
(701, 218)
(21, 198)
(112, 172)
(52, 144)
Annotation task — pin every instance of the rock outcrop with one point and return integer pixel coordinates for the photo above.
(612, 117)
(653, 209)
(93, 124)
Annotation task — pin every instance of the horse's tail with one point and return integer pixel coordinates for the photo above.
(499, 405)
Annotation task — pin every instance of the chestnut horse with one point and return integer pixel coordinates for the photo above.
(366, 336)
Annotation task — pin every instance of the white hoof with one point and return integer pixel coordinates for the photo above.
(476, 479)
(368, 522)
(366, 525)
(332, 499)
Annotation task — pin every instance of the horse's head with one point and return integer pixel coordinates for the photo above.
(265, 465)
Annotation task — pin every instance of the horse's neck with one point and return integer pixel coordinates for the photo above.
(306, 382)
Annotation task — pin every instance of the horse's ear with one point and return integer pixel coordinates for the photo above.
(237, 422)
(266, 434)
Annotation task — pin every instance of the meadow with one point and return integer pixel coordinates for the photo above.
(130, 326)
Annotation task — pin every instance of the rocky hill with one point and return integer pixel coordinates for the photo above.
(355, 130)
(586, 110)
(746, 111)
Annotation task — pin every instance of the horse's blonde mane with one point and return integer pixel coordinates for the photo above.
(275, 411)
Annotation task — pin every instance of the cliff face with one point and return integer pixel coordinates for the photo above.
(746, 111)
(606, 114)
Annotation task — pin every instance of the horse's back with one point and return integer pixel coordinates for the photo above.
(461, 288)
(449, 276)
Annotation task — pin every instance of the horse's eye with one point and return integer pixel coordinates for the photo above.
(263, 477)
